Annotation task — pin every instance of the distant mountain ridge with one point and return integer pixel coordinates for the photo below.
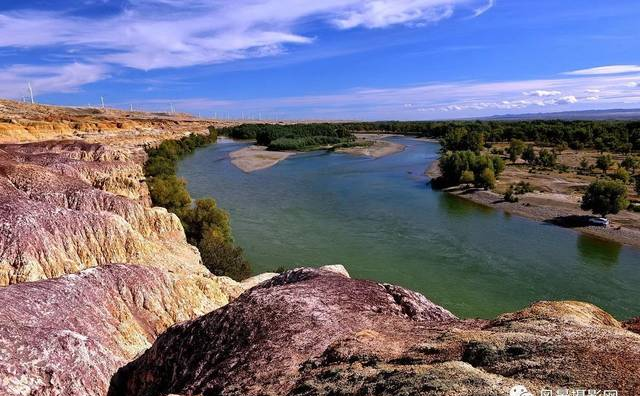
(609, 114)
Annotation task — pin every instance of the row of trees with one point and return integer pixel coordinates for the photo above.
(291, 137)
(206, 225)
(620, 136)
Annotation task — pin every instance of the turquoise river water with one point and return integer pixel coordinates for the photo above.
(382, 221)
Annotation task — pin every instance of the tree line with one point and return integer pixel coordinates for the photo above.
(293, 136)
(205, 224)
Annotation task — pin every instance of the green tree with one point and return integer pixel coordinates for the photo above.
(546, 158)
(222, 258)
(529, 154)
(604, 162)
(467, 177)
(486, 179)
(169, 192)
(206, 217)
(630, 163)
(515, 150)
(605, 197)
(622, 175)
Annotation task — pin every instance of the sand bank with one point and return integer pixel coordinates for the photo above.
(253, 158)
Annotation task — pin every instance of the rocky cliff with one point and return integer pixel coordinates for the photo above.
(68, 336)
(67, 206)
(22, 122)
(314, 332)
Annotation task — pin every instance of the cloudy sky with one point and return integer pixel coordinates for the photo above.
(325, 59)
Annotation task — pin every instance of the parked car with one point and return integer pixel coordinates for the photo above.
(599, 221)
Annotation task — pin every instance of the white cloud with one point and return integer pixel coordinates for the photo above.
(48, 79)
(456, 99)
(151, 34)
(592, 91)
(633, 84)
(542, 93)
(614, 69)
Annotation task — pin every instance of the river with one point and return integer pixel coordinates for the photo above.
(382, 221)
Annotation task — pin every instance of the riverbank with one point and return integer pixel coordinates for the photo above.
(553, 208)
(254, 158)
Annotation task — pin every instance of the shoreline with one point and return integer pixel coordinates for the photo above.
(540, 207)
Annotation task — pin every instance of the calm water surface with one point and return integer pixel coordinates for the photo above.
(380, 219)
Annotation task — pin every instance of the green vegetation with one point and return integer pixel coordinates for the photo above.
(520, 188)
(605, 197)
(206, 226)
(546, 159)
(515, 150)
(604, 162)
(292, 137)
(529, 154)
(457, 167)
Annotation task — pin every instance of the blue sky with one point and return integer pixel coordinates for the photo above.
(327, 59)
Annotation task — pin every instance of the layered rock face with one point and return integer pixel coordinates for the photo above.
(66, 206)
(315, 332)
(68, 336)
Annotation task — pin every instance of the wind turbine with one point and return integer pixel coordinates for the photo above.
(31, 92)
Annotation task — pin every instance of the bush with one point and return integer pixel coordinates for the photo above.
(604, 162)
(223, 258)
(510, 195)
(169, 192)
(529, 154)
(622, 175)
(486, 179)
(515, 150)
(546, 159)
(605, 197)
(205, 217)
(467, 177)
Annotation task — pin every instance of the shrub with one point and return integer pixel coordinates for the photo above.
(605, 197)
(529, 154)
(467, 177)
(169, 192)
(604, 162)
(515, 150)
(510, 195)
(630, 163)
(486, 179)
(223, 258)
(205, 217)
(546, 159)
(622, 175)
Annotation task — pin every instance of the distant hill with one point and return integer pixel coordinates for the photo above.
(611, 114)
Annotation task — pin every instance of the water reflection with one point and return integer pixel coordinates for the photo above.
(595, 251)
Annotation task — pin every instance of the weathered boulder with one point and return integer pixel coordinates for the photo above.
(68, 336)
(316, 332)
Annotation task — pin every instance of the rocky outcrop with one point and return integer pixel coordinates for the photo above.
(66, 206)
(68, 336)
(22, 122)
(316, 332)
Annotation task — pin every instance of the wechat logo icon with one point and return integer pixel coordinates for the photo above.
(519, 390)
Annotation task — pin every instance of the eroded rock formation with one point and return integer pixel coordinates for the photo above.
(68, 336)
(315, 332)
(66, 206)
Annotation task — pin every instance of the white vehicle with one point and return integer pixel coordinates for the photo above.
(599, 221)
